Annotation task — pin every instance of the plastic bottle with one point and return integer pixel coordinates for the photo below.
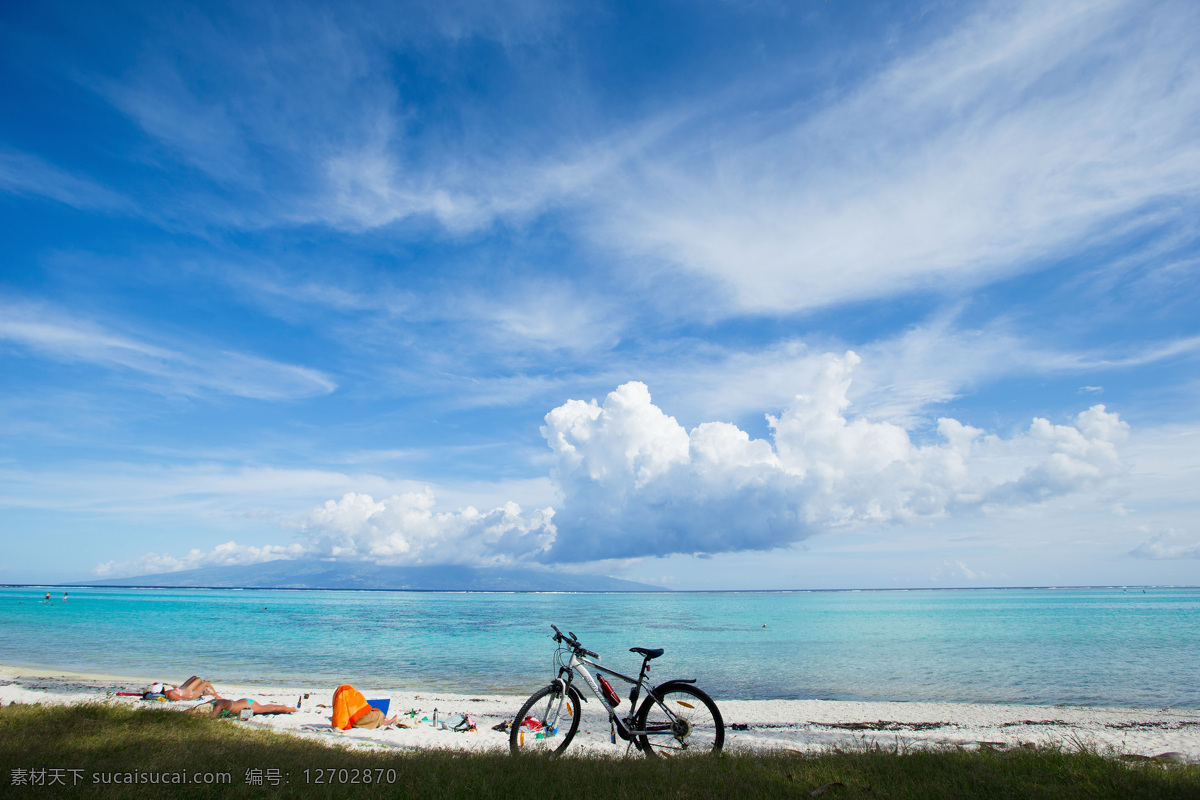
(435, 718)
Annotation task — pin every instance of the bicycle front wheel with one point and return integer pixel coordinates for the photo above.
(547, 722)
(679, 719)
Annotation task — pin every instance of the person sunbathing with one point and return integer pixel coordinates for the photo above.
(221, 707)
(375, 719)
(192, 689)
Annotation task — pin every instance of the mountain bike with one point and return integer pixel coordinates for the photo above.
(675, 718)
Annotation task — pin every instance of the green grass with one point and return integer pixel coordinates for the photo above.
(101, 739)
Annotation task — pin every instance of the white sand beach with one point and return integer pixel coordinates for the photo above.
(799, 725)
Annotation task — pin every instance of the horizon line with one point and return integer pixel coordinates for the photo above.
(597, 591)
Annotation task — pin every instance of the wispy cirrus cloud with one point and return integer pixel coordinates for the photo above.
(172, 488)
(299, 118)
(1023, 132)
(1029, 131)
(24, 174)
(53, 334)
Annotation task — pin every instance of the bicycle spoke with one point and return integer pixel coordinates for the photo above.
(682, 720)
(546, 723)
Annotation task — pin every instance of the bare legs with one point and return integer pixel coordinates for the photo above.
(269, 708)
(192, 689)
(221, 707)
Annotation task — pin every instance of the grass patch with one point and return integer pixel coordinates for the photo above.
(98, 740)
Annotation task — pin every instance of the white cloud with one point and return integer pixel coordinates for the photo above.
(544, 317)
(957, 569)
(1006, 142)
(405, 529)
(166, 493)
(368, 185)
(223, 555)
(902, 377)
(309, 104)
(402, 529)
(63, 338)
(1028, 132)
(1170, 545)
(21, 173)
(204, 135)
(633, 482)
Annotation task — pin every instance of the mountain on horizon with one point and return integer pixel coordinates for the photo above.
(312, 574)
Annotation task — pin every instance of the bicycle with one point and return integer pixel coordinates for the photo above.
(675, 717)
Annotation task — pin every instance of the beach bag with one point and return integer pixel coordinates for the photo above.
(349, 705)
(461, 723)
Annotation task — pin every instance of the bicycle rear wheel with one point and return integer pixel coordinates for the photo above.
(547, 722)
(679, 719)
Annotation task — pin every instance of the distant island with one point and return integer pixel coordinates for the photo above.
(313, 574)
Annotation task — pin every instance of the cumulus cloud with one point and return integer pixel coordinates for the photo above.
(405, 529)
(634, 482)
(223, 555)
(1170, 545)
(401, 529)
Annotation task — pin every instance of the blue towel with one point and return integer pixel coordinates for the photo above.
(382, 705)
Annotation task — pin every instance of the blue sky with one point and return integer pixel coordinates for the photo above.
(709, 295)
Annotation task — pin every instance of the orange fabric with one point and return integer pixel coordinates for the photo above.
(348, 705)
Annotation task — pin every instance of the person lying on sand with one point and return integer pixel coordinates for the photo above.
(374, 719)
(351, 710)
(219, 707)
(192, 689)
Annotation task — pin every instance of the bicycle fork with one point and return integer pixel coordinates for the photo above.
(554, 712)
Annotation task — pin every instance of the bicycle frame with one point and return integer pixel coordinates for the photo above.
(624, 725)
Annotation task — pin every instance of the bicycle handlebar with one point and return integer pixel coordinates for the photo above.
(573, 642)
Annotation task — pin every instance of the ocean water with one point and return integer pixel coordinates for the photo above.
(1100, 647)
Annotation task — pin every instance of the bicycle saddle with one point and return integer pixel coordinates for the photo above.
(648, 652)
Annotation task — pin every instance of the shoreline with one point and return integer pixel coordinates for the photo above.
(797, 725)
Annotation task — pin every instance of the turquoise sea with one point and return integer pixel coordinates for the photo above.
(1101, 646)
